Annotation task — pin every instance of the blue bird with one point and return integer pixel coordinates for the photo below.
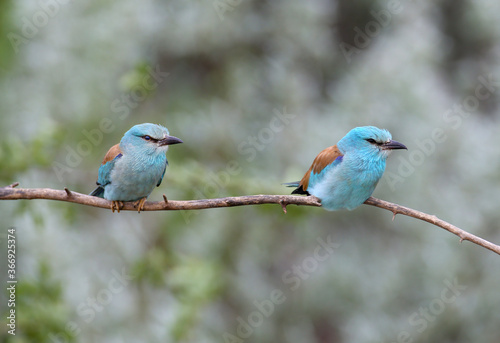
(343, 176)
(131, 169)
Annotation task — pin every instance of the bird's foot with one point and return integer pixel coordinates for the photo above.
(116, 205)
(140, 204)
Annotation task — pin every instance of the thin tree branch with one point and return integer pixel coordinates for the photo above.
(464, 235)
(12, 193)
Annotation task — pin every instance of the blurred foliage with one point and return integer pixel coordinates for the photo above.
(255, 89)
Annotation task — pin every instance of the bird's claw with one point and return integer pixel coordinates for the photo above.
(116, 205)
(140, 205)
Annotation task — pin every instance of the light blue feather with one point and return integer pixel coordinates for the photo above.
(348, 181)
(104, 178)
(140, 167)
(162, 174)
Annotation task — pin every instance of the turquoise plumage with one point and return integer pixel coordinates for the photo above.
(343, 176)
(131, 169)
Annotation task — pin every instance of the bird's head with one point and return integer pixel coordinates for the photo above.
(369, 140)
(149, 138)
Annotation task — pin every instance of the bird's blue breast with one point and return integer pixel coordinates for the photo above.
(347, 182)
(134, 177)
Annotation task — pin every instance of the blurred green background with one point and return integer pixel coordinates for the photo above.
(255, 89)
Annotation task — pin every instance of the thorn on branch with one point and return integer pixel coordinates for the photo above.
(15, 184)
(283, 205)
(165, 199)
(68, 192)
(394, 215)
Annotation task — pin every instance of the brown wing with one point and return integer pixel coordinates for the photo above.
(323, 159)
(112, 153)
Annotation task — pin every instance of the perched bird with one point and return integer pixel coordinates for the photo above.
(131, 169)
(343, 176)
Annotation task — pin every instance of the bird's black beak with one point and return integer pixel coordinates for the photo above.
(169, 140)
(393, 145)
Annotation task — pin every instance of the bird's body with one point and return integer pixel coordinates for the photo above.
(131, 169)
(343, 176)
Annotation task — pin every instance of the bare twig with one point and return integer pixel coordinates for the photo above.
(11, 193)
(68, 192)
(464, 235)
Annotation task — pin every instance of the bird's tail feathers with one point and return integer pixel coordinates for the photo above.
(98, 192)
(298, 189)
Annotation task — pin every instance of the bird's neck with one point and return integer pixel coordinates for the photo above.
(143, 154)
(366, 160)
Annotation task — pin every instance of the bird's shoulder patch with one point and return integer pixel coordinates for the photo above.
(112, 153)
(324, 158)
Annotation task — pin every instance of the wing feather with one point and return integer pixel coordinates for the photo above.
(162, 175)
(108, 164)
(112, 153)
(105, 169)
(324, 158)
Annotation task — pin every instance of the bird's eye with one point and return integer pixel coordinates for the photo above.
(371, 140)
(147, 138)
